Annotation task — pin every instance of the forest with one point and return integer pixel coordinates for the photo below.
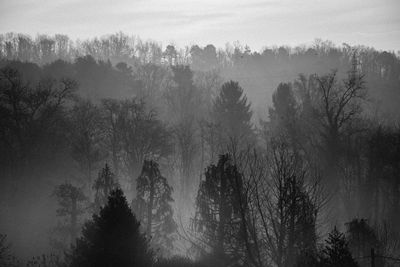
(118, 151)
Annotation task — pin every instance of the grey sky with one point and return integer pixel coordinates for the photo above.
(183, 22)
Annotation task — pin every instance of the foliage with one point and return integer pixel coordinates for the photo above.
(152, 206)
(217, 215)
(142, 135)
(112, 238)
(232, 113)
(336, 253)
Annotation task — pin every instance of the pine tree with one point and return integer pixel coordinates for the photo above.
(152, 205)
(336, 253)
(233, 115)
(112, 238)
(103, 185)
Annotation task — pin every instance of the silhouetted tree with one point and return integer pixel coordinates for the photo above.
(71, 205)
(183, 102)
(287, 206)
(31, 117)
(283, 114)
(336, 252)
(104, 184)
(382, 179)
(232, 115)
(338, 107)
(217, 216)
(152, 206)
(112, 238)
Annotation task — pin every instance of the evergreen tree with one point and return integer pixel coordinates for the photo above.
(336, 252)
(233, 115)
(152, 205)
(283, 114)
(71, 202)
(103, 185)
(112, 238)
(217, 216)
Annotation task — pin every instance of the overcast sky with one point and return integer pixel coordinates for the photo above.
(183, 22)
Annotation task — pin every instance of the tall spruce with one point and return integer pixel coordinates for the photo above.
(152, 206)
(232, 113)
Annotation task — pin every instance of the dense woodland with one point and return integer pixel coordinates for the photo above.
(121, 152)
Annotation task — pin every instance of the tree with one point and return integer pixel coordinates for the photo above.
(283, 114)
(86, 135)
(142, 135)
(382, 178)
(183, 100)
(287, 206)
(338, 108)
(152, 206)
(111, 109)
(232, 114)
(71, 205)
(217, 216)
(104, 184)
(112, 238)
(30, 118)
(336, 252)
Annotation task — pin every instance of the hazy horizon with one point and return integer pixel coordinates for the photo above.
(255, 23)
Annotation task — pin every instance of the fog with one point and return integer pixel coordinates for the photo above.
(214, 148)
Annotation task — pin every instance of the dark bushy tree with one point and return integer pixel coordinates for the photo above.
(152, 205)
(217, 216)
(112, 238)
(336, 252)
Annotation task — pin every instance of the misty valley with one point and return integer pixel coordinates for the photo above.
(117, 152)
